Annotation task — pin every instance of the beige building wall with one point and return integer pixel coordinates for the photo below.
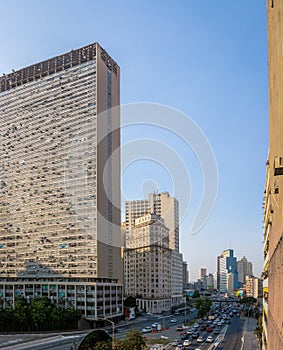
(273, 201)
(147, 261)
(168, 208)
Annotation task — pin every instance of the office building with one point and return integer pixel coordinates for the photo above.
(227, 277)
(147, 261)
(185, 275)
(167, 207)
(202, 273)
(244, 268)
(60, 182)
(210, 281)
(273, 194)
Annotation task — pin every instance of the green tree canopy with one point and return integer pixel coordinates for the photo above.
(130, 302)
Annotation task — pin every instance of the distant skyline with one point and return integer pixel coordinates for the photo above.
(207, 60)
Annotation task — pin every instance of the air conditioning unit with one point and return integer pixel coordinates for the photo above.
(278, 166)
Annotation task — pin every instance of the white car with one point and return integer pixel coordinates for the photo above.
(186, 343)
(173, 320)
(200, 340)
(209, 339)
(146, 329)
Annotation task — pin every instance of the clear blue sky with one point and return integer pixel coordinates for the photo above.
(207, 59)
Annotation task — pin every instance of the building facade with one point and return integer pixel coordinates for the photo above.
(227, 277)
(60, 182)
(147, 264)
(254, 287)
(202, 272)
(244, 268)
(273, 194)
(167, 207)
(185, 275)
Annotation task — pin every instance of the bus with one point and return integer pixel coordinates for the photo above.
(182, 310)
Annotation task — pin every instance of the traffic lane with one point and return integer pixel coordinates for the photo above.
(173, 334)
(65, 343)
(233, 338)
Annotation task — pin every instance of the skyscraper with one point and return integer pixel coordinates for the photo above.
(60, 182)
(227, 277)
(273, 194)
(202, 272)
(244, 268)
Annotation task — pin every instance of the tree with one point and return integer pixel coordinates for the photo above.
(248, 300)
(130, 302)
(21, 314)
(134, 340)
(203, 306)
(196, 294)
(258, 330)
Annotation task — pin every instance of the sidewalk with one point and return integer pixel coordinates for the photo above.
(249, 339)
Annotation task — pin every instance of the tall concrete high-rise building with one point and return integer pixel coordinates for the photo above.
(60, 182)
(202, 272)
(227, 277)
(185, 275)
(244, 268)
(273, 194)
(167, 207)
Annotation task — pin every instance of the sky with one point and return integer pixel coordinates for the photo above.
(206, 62)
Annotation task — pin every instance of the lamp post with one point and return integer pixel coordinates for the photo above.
(113, 329)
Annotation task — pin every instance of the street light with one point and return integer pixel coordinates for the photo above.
(113, 328)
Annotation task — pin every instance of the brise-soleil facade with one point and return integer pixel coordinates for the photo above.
(60, 183)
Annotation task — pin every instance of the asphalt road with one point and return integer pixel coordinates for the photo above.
(232, 339)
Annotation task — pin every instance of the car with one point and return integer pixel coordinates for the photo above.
(209, 329)
(184, 336)
(175, 342)
(147, 330)
(200, 340)
(195, 335)
(173, 320)
(209, 339)
(228, 321)
(154, 325)
(195, 325)
(203, 328)
(163, 337)
(179, 347)
(216, 331)
(190, 331)
(187, 343)
(180, 328)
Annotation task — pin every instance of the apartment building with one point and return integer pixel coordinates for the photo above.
(273, 193)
